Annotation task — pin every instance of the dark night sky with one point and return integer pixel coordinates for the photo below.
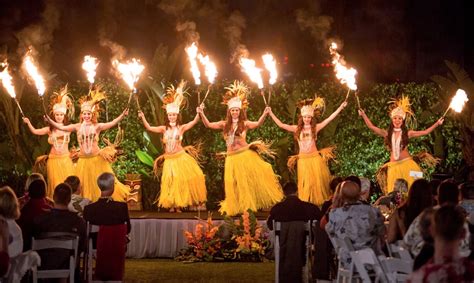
(385, 40)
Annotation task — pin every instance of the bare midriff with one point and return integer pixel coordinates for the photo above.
(239, 142)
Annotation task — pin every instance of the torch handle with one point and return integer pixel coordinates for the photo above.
(19, 107)
(205, 96)
(138, 103)
(445, 112)
(44, 107)
(358, 101)
(263, 96)
(129, 99)
(347, 95)
(269, 96)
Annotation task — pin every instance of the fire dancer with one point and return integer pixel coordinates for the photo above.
(250, 182)
(182, 180)
(58, 163)
(312, 170)
(92, 160)
(401, 164)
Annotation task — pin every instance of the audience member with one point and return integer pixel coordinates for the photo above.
(427, 251)
(447, 265)
(434, 184)
(364, 190)
(4, 237)
(404, 215)
(292, 208)
(35, 206)
(59, 219)
(25, 198)
(401, 185)
(78, 202)
(332, 186)
(354, 179)
(448, 193)
(362, 224)
(106, 211)
(10, 210)
(467, 197)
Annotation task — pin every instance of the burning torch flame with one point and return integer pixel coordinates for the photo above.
(33, 72)
(192, 52)
(458, 101)
(89, 65)
(254, 73)
(130, 71)
(210, 68)
(7, 81)
(343, 74)
(270, 65)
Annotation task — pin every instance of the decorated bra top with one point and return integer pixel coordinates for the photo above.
(305, 139)
(172, 138)
(59, 141)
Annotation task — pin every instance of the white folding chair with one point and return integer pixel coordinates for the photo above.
(277, 226)
(65, 241)
(91, 252)
(20, 264)
(343, 273)
(364, 258)
(396, 269)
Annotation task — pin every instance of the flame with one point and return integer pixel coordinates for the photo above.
(343, 74)
(7, 81)
(33, 72)
(270, 65)
(210, 68)
(130, 71)
(458, 101)
(89, 65)
(192, 52)
(254, 73)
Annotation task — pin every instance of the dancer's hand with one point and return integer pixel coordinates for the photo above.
(140, 114)
(361, 112)
(267, 110)
(199, 110)
(440, 121)
(343, 104)
(26, 120)
(125, 112)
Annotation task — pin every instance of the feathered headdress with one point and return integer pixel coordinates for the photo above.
(236, 95)
(174, 98)
(62, 102)
(90, 102)
(308, 106)
(402, 107)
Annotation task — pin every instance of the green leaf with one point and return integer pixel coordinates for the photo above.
(145, 158)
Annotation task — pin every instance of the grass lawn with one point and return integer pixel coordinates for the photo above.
(168, 270)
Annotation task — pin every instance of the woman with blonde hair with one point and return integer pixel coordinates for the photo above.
(10, 210)
(249, 181)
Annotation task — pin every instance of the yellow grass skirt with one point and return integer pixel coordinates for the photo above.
(250, 183)
(88, 169)
(58, 168)
(400, 170)
(313, 178)
(182, 181)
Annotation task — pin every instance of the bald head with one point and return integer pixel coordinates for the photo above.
(350, 191)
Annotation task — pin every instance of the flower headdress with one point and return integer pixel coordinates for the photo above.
(62, 102)
(236, 95)
(402, 107)
(308, 106)
(174, 98)
(90, 102)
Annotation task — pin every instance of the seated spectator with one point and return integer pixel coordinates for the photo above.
(364, 190)
(332, 186)
(59, 219)
(447, 265)
(427, 251)
(434, 184)
(106, 211)
(404, 215)
(35, 206)
(467, 197)
(4, 237)
(354, 179)
(10, 210)
(362, 224)
(292, 208)
(78, 202)
(25, 198)
(401, 185)
(448, 193)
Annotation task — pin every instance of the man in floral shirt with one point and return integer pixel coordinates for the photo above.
(447, 265)
(361, 223)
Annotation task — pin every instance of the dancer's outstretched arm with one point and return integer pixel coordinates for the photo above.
(331, 117)
(253, 125)
(211, 125)
(191, 124)
(157, 129)
(39, 132)
(67, 128)
(415, 134)
(286, 127)
(376, 130)
(113, 123)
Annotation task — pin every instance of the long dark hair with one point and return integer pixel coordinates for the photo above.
(240, 125)
(419, 198)
(300, 126)
(404, 141)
